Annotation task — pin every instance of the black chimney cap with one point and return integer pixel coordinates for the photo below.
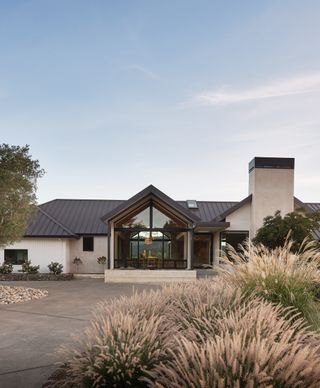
(281, 163)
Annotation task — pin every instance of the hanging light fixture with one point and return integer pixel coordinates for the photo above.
(148, 240)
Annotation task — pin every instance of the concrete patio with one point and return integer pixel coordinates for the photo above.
(32, 331)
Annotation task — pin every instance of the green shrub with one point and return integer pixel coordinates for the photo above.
(278, 275)
(55, 268)
(6, 268)
(28, 268)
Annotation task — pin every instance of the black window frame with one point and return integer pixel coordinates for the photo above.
(233, 232)
(15, 261)
(88, 243)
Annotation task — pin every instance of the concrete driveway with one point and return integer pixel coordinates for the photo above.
(30, 332)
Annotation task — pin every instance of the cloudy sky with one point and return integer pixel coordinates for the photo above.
(114, 95)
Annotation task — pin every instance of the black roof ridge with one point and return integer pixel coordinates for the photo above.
(45, 203)
(123, 200)
(82, 199)
(312, 203)
(206, 201)
(151, 190)
(57, 222)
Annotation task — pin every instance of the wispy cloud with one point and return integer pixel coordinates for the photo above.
(278, 88)
(145, 71)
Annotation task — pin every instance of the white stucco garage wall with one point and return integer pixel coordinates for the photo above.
(41, 251)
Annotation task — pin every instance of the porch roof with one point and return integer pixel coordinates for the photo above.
(151, 191)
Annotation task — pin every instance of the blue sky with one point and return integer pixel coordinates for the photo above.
(114, 95)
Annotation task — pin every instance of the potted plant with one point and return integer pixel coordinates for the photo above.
(103, 261)
(77, 261)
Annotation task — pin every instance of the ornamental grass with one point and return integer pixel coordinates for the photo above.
(248, 327)
(278, 275)
(126, 338)
(254, 346)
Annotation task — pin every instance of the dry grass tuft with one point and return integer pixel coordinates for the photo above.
(253, 346)
(222, 332)
(126, 338)
(279, 276)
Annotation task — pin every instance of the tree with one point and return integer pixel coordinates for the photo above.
(18, 184)
(298, 224)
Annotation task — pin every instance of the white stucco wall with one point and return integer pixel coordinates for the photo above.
(216, 247)
(41, 251)
(89, 259)
(272, 189)
(240, 219)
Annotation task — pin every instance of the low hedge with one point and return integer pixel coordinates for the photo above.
(36, 276)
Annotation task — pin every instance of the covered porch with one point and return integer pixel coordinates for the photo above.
(152, 231)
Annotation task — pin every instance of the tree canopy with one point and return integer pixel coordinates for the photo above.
(18, 184)
(276, 229)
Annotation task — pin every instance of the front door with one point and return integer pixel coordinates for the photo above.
(202, 250)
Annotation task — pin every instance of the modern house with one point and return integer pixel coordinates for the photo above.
(153, 231)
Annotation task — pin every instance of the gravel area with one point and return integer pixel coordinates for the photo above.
(10, 294)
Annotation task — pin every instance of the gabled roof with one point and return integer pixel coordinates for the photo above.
(209, 210)
(45, 225)
(233, 208)
(313, 207)
(145, 193)
(82, 216)
(76, 217)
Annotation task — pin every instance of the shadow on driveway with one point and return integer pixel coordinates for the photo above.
(32, 331)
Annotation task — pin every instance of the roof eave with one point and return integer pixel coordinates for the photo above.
(150, 190)
(223, 216)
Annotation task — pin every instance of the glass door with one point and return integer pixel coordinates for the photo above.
(202, 244)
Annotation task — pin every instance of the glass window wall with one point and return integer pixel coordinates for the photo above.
(150, 239)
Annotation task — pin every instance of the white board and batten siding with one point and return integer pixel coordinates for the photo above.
(41, 251)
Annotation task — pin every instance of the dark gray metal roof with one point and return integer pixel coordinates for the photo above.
(76, 217)
(209, 210)
(44, 225)
(151, 192)
(82, 216)
(232, 209)
(314, 207)
(70, 217)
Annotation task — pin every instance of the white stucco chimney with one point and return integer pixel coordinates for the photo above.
(271, 183)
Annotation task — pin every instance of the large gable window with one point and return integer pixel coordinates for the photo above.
(15, 256)
(140, 220)
(151, 237)
(150, 218)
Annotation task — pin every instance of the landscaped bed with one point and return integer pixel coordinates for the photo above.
(35, 276)
(31, 272)
(256, 325)
(10, 294)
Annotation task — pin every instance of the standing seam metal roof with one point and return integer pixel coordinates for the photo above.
(314, 207)
(72, 217)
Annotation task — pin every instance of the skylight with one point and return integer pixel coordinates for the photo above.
(192, 204)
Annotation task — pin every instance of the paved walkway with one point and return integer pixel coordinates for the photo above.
(30, 332)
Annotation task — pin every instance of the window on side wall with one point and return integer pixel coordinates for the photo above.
(88, 245)
(233, 238)
(15, 256)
